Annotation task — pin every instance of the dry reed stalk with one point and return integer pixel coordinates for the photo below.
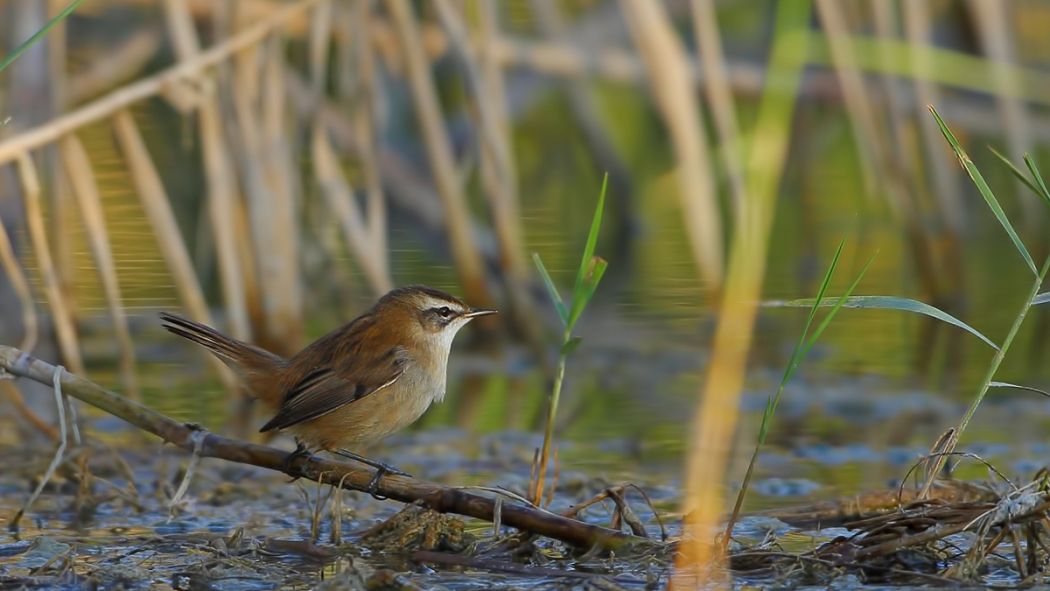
(902, 178)
(85, 190)
(408, 189)
(123, 97)
(278, 259)
(668, 69)
(498, 170)
(14, 396)
(364, 118)
(13, 270)
(905, 155)
(218, 172)
(65, 328)
(946, 185)
(155, 201)
(319, 40)
(439, 153)
(866, 138)
(263, 177)
(720, 95)
(993, 31)
(343, 25)
(60, 207)
(716, 416)
(340, 200)
(121, 63)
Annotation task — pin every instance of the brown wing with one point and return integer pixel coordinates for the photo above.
(327, 388)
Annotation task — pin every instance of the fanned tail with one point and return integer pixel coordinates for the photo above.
(258, 367)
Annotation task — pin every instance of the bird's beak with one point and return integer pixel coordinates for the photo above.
(480, 312)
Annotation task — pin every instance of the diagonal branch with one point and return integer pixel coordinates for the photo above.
(444, 499)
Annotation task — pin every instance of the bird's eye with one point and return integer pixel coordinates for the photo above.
(444, 312)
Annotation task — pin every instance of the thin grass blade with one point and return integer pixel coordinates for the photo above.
(985, 190)
(799, 352)
(1043, 192)
(1018, 387)
(838, 305)
(592, 239)
(68, 10)
(1017, 171)
(590, 284)
(887, 303)
(552, 290)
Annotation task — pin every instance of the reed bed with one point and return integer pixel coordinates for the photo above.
(276, 80)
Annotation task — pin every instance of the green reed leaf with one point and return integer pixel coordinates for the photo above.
(68, 10)
(1016, 171)
(1018, 387)
(985, 190)
(592, 239)
(887, 303)
(552, 290)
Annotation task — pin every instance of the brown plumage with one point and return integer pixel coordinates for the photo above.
(358, 383)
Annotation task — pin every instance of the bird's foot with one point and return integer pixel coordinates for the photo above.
(382, 469)
(301, 451)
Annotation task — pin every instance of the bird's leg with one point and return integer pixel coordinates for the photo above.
(301, 451)
(387, 468)
(382, 469)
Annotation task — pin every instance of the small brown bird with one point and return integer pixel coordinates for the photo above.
(357, 384)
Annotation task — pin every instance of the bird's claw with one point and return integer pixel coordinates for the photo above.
(382, 469)
(300, 452)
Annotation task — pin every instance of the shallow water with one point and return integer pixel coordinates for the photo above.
(875, 394)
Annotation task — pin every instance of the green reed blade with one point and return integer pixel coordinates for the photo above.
(1018, 387)
(552, 290)
(39, 34)
(1017, 171)
(592, 238)
(1043, 192)
(887, 303)
(802, 347)
(839, 304)
(985, 190)
(799, 351)
(590, 284)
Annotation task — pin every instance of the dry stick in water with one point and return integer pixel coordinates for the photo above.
(399, 488)
(60, 403)
(439, 153)
(668, 69)
(85, 190)
(56, 299)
